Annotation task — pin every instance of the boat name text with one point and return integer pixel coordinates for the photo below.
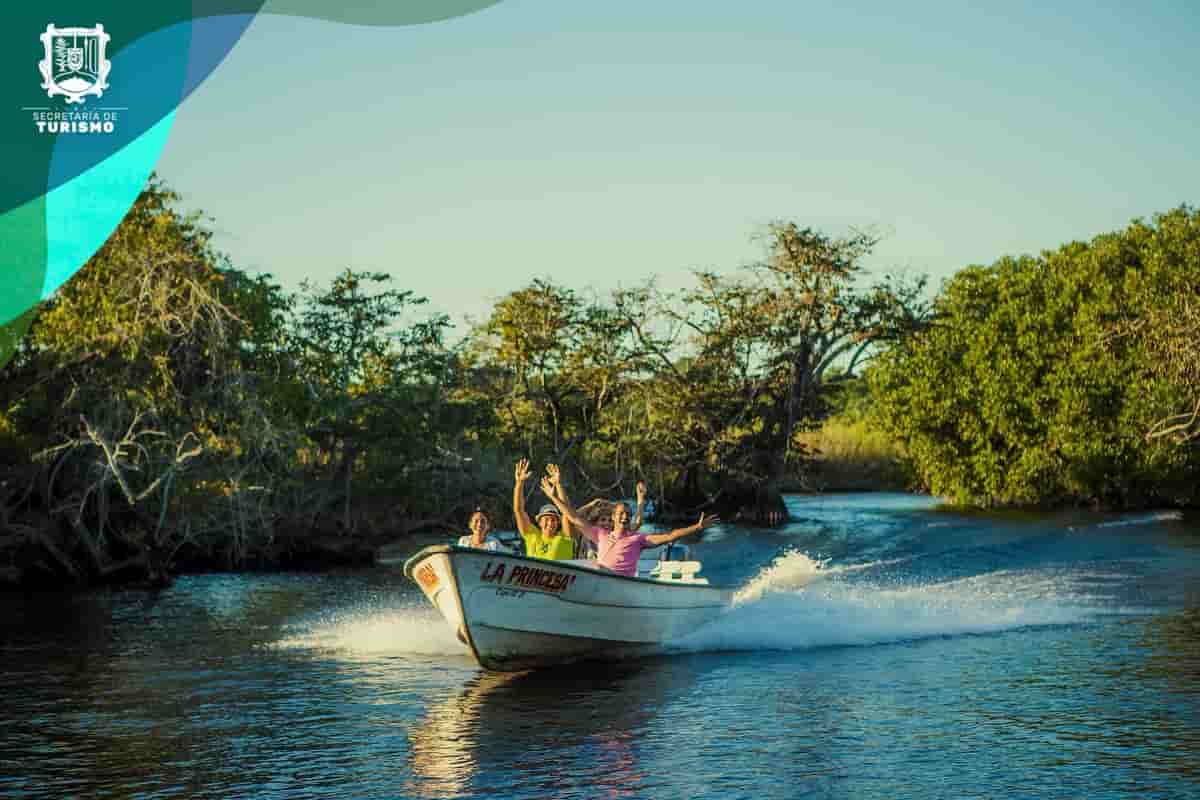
(530, 577)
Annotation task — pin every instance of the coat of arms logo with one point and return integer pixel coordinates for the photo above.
(75, 66)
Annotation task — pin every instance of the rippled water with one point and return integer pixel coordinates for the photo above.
(879, 648)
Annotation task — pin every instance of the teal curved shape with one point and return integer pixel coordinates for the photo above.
(372, 12)
(66, 195)
(23, 232)
(82, 213)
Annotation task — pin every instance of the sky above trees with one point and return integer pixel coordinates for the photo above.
(596, 144)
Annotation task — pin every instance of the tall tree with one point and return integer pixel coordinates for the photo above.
(740, 360)
(1169, 328)
(356, 358)
(130, 398)
(770, 335)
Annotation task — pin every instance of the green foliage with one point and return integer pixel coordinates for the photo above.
(703, 392)
(126, 398)
(1169, 330)
(555, 365)
(168, 406)
(380, 407)
(1028, 389)
(764, 342)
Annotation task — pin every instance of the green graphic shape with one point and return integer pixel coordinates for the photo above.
(90, 191)
(365, 12)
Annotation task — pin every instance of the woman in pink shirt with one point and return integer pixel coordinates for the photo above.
(619, 546)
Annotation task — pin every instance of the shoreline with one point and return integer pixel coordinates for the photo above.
(329, 552)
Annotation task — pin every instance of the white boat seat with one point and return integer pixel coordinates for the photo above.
(650, 557)
(676, 572)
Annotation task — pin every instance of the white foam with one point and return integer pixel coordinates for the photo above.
(404, 630)
(794, 605)
(793, 570)
(1143, 519)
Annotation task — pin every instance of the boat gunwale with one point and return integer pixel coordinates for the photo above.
(435, 549)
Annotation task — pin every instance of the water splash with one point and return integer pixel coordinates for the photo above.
(799, 603)
(794, 570)
(791, 571)
(377, 631)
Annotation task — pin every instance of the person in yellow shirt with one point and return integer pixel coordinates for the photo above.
(598, 512)
(546, 539)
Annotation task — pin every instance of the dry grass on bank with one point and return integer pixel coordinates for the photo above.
(852, 455)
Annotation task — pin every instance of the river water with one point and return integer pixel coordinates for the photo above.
(879, 648)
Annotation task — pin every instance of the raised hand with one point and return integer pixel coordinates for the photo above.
(548, 488)
(707, 521)
(521, 474)
(553, 474)
(641, 493)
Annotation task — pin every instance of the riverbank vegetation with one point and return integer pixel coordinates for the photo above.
(167, 411)
(1068, 377)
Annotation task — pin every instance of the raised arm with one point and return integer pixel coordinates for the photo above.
(567, 511)
(706, 520)
(556, 481)
(520, 475)
(641, 505)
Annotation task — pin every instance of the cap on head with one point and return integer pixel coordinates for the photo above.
(549, 510)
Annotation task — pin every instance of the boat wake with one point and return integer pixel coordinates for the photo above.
(794, 570)
(798, 603)
(791, 571)
(376, 631)
(1143, 519)
(794, 603)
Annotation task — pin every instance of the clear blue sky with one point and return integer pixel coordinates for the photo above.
(600, 143)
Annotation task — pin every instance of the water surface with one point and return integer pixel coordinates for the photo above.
(879, 648)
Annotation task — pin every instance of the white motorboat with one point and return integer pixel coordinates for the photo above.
(517, 613)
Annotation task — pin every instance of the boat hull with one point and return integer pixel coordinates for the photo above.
(518, 613)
